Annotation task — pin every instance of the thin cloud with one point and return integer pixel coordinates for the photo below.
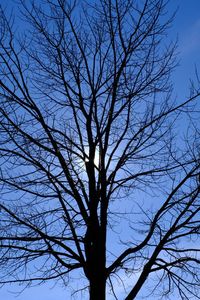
(190, 39)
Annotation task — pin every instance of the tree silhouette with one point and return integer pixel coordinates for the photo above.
(95, 180)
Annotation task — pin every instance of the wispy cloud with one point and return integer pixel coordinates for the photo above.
(190, 39)
(123, 284)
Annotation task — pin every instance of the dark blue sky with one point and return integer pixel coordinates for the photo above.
(187, 27)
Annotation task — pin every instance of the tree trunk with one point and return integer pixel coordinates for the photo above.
(96, 268)
(97, 271)
(98, 288)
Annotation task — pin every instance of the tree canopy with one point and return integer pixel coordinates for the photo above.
(97, 178)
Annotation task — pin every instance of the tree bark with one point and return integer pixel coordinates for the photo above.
(95, 260)
(96, 264)
(97, 269)
(98, 288)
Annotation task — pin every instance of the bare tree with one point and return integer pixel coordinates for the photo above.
(95, 179)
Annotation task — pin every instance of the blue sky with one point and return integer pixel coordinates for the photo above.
(187, 27)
